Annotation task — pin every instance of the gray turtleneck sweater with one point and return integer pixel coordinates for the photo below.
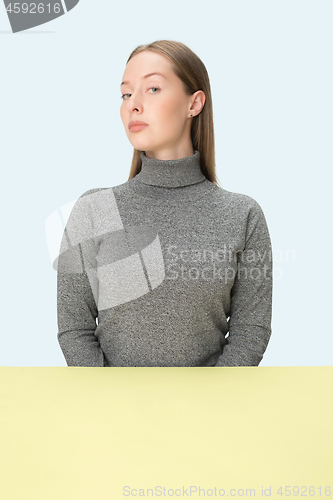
(167, 269)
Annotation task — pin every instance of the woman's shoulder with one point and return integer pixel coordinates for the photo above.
(234, 199)
(105, 192)
(91, 191)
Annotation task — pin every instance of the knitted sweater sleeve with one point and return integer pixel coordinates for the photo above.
(76, 290)
(251, 296)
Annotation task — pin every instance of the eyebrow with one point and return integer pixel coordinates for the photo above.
(146, 76)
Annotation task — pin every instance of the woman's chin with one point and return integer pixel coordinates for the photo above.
(141, 145)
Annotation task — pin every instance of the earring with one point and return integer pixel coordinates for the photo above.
(191, 115)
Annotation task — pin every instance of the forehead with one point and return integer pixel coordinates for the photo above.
(144, 63)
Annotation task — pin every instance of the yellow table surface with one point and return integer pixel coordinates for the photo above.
(113, 433)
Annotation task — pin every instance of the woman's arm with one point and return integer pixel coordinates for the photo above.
(251, 296)
(77, 290)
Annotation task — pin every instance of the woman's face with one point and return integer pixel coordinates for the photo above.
(159, 101)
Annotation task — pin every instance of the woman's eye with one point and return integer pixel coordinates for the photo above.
(151, 88)
(154, 88)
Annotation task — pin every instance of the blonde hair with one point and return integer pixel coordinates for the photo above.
(192, 71)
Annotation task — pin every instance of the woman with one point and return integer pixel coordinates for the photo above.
(176, 270)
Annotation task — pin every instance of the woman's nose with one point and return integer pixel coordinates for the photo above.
(135, 103)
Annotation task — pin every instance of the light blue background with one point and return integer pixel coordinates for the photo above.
(270, 67)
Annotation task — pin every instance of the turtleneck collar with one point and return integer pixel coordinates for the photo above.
(170, 173)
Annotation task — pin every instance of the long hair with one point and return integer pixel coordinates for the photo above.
(192, 71)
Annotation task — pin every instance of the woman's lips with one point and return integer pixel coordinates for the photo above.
(136, 128)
